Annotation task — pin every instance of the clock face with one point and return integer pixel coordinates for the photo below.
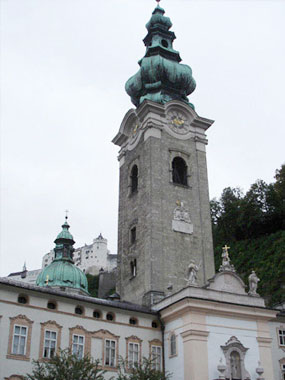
(178, 122)
(135, 128)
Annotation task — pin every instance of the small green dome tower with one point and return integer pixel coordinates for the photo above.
(62, 273)
(161, 77)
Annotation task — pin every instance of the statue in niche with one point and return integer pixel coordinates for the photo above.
(235, 353)
(192, 273)
(253, 283)
(235, 365)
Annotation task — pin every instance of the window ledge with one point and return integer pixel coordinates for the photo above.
(183, 186)
(111, 369)
(18, 357)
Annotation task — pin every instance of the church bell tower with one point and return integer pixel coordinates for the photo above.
(164, 213)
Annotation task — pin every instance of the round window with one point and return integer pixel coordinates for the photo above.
(79, 310)
(22, 299)
(96, 314)
(110, 317)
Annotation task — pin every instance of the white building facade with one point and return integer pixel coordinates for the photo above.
(90, 258)
(106, 330)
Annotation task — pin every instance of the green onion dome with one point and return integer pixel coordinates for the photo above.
(62, 272)
(161, 77)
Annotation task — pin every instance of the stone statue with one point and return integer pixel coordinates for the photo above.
(226, 262)
(253, 282)
(192, 272)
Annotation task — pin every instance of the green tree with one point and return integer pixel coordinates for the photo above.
(143, 371)
(93, 284)
(66, 366)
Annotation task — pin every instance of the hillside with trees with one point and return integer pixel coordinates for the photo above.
(253, 225)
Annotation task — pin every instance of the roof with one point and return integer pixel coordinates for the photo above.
(92, 300)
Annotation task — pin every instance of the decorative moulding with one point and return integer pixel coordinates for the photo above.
(181, 219)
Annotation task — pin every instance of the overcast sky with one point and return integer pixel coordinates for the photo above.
(64, 64)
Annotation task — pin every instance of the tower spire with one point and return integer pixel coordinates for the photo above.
(161, 76)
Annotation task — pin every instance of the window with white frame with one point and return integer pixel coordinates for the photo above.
(173, 345)
(156, 352)
(19, 340)
(78, 345)
(133, 354)
(281, 334)
(49, 344)
(110, 353)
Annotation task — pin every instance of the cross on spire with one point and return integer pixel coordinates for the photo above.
(226, 248)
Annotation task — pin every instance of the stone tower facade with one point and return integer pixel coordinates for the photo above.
(164, 213)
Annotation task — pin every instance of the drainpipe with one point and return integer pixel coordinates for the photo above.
(162, 331)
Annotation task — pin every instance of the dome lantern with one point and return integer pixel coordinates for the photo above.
(62, 273)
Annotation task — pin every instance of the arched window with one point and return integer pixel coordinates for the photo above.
(133, 235)
(179, 171)
(134, 268)
(172, 345)
(134, 179)
(235, 366)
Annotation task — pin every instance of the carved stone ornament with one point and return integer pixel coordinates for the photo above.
(222, 369)
(235, 352)
(259, 371)
(181, 219)
(178, 122)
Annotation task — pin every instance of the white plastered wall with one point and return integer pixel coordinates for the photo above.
(64, 316)
(175, 364)
(221, 329)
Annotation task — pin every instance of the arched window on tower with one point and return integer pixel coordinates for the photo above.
(134, 179)
(235, 365)
(179, 171)
(134, 268)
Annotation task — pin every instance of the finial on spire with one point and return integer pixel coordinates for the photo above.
(66, 214)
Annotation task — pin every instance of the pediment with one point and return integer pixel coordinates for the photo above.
(227, 282)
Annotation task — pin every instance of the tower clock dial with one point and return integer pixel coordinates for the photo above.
(178, 122)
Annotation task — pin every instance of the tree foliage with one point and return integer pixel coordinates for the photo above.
(253, 224)
(93, 284)
(65, 365)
